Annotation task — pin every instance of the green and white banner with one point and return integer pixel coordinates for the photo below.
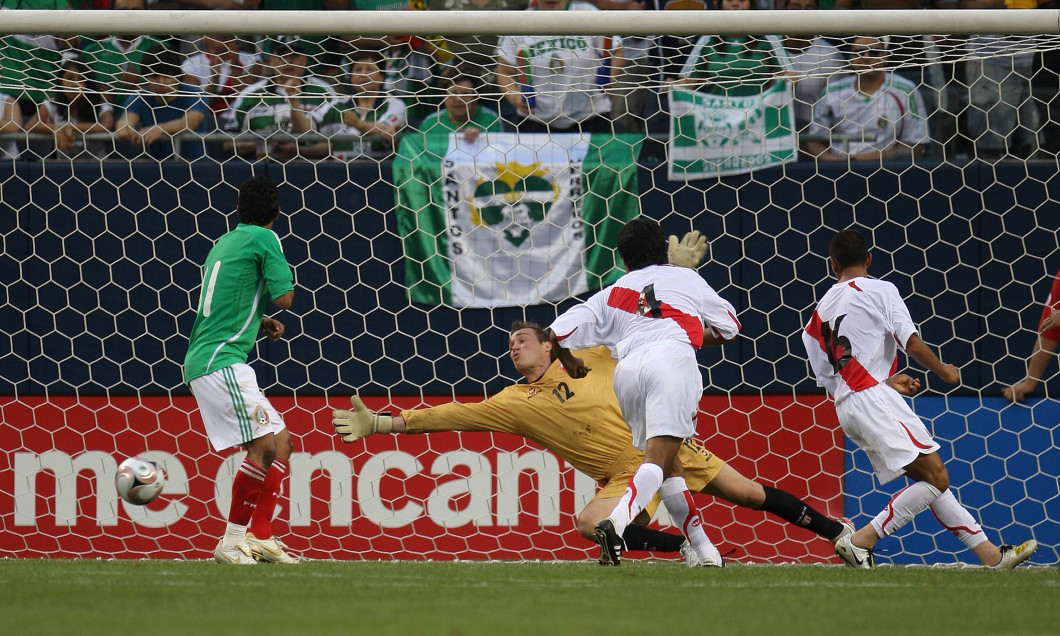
(513, 219)
(718, 135)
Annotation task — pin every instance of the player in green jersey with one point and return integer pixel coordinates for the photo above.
(244, 270)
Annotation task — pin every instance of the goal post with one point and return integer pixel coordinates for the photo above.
(414, 251)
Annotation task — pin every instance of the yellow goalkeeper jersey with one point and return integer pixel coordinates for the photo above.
(579, 420)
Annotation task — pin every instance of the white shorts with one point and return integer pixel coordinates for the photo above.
(233, 408)
(659, 387)
(881, 423)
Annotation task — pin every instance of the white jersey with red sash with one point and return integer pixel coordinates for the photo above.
(854, 334)
(651, 304)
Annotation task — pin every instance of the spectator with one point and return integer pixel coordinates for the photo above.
(167, 108)
(221, 70)
(77, 107)
(733, 65)
(476, 51)
(462, 113)
(115, 60)
(558, 83)
(1003, 120)
(639, 72)
(287, 100)
(884, 111)
(813, 60)
(366, 111)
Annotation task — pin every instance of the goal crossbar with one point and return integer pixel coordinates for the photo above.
(458, 23)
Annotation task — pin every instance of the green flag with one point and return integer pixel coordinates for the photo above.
(513, 219)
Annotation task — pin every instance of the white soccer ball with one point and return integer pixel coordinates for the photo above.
(139, 480)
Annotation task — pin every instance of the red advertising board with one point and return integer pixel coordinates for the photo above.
(440, 496)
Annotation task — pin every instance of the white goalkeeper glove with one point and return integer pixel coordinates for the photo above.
(360, 422)
(689, 251)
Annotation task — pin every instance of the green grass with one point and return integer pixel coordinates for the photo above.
(509, 599)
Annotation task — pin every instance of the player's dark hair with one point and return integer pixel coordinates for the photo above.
(532, 326)
(848, 248)
(642, 243)
(258, 202)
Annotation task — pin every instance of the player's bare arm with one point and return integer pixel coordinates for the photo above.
(574, 366)
(923, 354)
(904, 384)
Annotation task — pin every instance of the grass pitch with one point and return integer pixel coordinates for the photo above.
(510, 599)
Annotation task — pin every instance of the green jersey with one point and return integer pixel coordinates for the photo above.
(484, 119)
(243, 272)
(263, 106)
(110, 56)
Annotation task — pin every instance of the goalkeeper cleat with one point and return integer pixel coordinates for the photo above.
(693, 560)
(270, 550)
(854, 556)
(1011, 556)
(238, 554)
(610, 543)
(848, 529)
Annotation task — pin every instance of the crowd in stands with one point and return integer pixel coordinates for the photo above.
(349, 98)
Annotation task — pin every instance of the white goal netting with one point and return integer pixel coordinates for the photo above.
(435, 188)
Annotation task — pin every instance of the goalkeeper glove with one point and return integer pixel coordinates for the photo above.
(689, 251)
(360, 422)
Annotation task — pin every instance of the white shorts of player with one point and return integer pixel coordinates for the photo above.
(233, 408)
(659, 386)
(881, 423)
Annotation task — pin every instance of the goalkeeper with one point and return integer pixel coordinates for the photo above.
(580, 421)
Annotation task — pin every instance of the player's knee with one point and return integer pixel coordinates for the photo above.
(586, 527)
(940, 479)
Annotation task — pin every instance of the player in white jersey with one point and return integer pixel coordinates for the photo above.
(653, 319)
(852, 342)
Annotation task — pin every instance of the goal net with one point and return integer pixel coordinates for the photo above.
(437, 184)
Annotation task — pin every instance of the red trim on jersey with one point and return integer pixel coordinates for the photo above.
(856, 376)
(913, 439)
(1051, 303)
(628, 300)
(956, 529)
(854, 285)
(560, 338)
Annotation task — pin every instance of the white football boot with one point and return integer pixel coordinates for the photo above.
(270, 550)
(855, 557)
(238, 554)
(1011, 556)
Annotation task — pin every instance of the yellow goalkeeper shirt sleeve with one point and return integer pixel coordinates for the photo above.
(578, 420)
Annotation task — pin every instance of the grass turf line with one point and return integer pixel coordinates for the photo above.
(510, 599)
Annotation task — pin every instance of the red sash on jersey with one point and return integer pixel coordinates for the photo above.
(856, 376)
(630, 300)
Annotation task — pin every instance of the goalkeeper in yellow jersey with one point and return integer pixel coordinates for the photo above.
(580, 421)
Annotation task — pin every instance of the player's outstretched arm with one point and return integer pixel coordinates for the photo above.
(689, 251)
(1044, 352)
(360, 422)
(923, 354)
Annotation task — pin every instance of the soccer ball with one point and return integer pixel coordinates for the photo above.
(139, 480)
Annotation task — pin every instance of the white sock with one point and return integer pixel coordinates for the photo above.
(957, 519)
(642, 487)
(908, 503)
(234, 535)
(679, 504)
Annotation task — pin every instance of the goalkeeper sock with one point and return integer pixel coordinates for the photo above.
(638, 537)
(957, 519)
(246, 487)
(265, 510)
(678, 502)
(908, 503)
(794, 510)
(642, 487)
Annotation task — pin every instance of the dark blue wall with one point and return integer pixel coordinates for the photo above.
(100, 268)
